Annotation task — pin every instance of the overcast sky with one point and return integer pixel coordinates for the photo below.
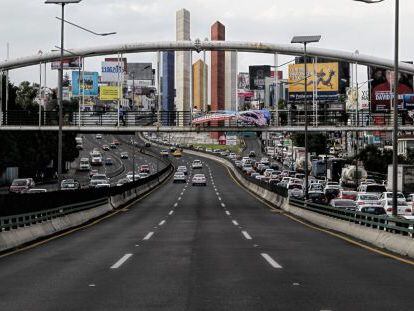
(30, 26)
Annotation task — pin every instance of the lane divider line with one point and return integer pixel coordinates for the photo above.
(228, 213)
(161, 223)
(271, 261)
(223, 205)
(171, 212)
(235, 222)
(121, 261)
(175, 204)
(148, 236)
(246, 235)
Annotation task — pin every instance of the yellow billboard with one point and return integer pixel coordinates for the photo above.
(326, 75)
(110, 93)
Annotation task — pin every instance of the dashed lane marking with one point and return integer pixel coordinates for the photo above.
(148, 236)
(223, 205)
(121, 261)
(271, 261)
(246, 235)
(171, 212)
(161, 223)
(235, 222)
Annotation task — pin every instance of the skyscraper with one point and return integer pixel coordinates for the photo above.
(199, 85)
(183, 64)
(231, 81)
(167, 86)
(217, 69)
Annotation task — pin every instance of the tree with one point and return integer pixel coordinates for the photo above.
(317, 142)
(32, 151)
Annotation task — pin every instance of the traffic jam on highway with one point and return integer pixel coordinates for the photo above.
(331, 182)
(107, 162)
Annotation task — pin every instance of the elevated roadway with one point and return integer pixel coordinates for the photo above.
(202, 248)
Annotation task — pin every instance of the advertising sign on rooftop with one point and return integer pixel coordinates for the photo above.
(88, 85)
(110, 92)
(257, 76)
(112, 71)
(68, 64)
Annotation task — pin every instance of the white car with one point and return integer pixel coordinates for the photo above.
(130, 176)
(84, 164)
(197, 164)
(232, 156)
(179, 177)
(388, 195)
(143, 175)
(98, 136)
(199, 179)
(103, 184)
(96, 159)
(98, 179)
(402, 208)
(366, 199)
(182, 169)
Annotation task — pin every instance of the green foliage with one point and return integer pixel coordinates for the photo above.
(317, 142)
(32, 151)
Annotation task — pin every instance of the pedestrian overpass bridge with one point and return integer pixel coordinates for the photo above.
(186, 121)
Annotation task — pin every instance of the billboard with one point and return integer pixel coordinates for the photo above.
(112, 71)
(110, 92)
(325, 75)
(243, 82)
(88, 83)
(257, 76)
(140, 71)
(380, 88)
(68, 63)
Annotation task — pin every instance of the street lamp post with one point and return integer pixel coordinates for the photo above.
(395, 99)
(305, 40)
(60, 80)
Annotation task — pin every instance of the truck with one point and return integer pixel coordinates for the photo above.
(405, 178)
(334, 169)
(318, 168)
(351, 175)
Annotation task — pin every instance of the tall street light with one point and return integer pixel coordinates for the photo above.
(305, 40)
(60, 80)
(395, 100)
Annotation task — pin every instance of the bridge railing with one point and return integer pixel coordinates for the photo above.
(186, 118)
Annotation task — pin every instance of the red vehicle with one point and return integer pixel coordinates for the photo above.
(144, 169)
(350, 195)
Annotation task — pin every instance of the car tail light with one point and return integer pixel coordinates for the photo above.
(389, 209)
(408, 210)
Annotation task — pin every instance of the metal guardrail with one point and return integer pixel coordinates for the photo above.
(381, 222)
(8, 223)
(29, 204)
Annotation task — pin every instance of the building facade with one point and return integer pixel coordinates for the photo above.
(167, 87)
(199, 85)
(182, 65)
(218, 60)
(230, 102)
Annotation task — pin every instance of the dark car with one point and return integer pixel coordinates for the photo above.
(317, 197)
(147, 145)
(344, 204)
(374, 210)
(331, 193)
(252, 154)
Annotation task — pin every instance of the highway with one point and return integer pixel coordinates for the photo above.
(202, 248)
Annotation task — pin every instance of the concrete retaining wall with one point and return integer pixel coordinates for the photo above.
(17, 237)
(393, 242)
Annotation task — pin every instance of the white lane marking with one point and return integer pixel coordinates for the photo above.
(216, 192)
(271, 261)
(228, 213)
(121, 261)
(181, 193)
(235, 222)
(91, 285)
(175, 204)
(171, 212)
(223, 205)
(246, 235)
(161, 223)
(219, 198)
(148, 236)
(179, 198)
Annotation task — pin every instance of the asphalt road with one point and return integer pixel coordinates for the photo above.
(202, 248)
